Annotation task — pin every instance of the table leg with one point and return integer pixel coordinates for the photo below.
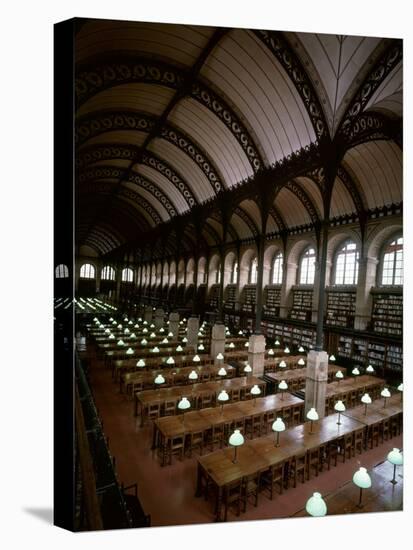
(218, 506)
(198, 491)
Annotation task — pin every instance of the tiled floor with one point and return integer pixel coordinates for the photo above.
(167, 494)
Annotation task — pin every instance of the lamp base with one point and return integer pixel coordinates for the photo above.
(393, 481)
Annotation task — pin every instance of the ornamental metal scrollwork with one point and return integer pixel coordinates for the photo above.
(94, 79)
(299, 192)
(277, 218)
(246, 219)
(154, 190)
(383, 67)
(87, 128)
(279, 46)
(353, 189)
(368, 126)
(102, 122)
(129, 194)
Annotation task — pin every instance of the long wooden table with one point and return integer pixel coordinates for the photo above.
(296, 377)
(119, 366)
(350, 390)
(174, 376)
(169, 427)
(259, 455)
(145, 399)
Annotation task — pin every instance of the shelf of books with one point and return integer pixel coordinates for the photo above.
(341, 307)
(230, 296)
(287, 333)
(302, 304)
(387, 315)
(272, 297)
(249, 297)
(213, 296)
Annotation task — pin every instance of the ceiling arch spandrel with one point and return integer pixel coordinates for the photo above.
(313, 192)
(248, 74)
(181, 162)
(388, 98)
(377, 166)
(150, 98)
(213, 136)
(337, 65)
(292, 209)
(341, 201)
(241, 228)
(181, 44)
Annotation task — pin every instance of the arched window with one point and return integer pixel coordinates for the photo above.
(87, 271)
(61, 271)
(218, 275)
(277, 269)
(254, 271)
(307, 267)
(127, 275)
(347, 267)
(234, 274)
(393, 263)
(108, 273)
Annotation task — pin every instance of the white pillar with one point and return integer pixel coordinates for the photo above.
(316, 382)
(256, 354)
(174, 324)
(366, 280)
(289, 280)
(192, 332)
(159, 318)
(217, 341)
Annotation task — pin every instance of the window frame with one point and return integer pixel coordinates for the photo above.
(234, 270)
(58, 271)
(254, 260)
(276, 255)
(338, 251)
(394, 238)
(127, 270)
(88, 265)
(300, 265)
(108, 267)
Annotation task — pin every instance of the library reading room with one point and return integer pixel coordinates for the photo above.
(237, 277)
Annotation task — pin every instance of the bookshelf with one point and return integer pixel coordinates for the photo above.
(213, 296)
(341, 307)
(387, 316)
(249, 294)
(230, 296)
(302, 304)
(272, 297)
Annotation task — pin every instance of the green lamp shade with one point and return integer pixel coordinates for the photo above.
(355, 371)
(362, 479)
(301, 362)
(370, 369)
(222, 372)
(385, 392)
(255, 390)
(155, 349)
(184, 404)
(247, 368)
(316, 506)
(270, 352)
(339, 406)
(278, 425)
(170, 361)
(236, 439)
(282, 364)
(395, 457)
(144, 342)
(129, 351)
(179, 348)
(121, 343)
(366, 399)
(286, 349)
(193, 375)
(140, 363)
(159, 379)
(196, 359)
(339, 374)
(223, 396)
(312, 414)
(283, 385)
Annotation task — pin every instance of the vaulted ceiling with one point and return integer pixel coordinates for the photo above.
(171, 117)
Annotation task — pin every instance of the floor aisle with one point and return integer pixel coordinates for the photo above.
(167, 494)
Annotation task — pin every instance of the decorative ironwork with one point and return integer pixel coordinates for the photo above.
(355, 192)
(371, 126)
(94, 79)
(382, 68)
(153, 190)
(281, 49)
(247, 219)
(140, 201)
(275, 214)
(99, 153)
(299, 192)
(129, 120)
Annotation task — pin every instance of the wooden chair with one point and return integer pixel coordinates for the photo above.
(385, 430)
(250, 488)
(232, 495)
(235, 395)
(216, 436)
(253, 425)
(332, 453)
(205, 376)
(374, 435)
(347, 446)
(269, 418)
(154, 411)
(395, 425)
(297, 411)
(196, 440)
(273, 477)
(176, 447)
(286, 415)
(169, 408)
(205, 401)
(297, 467)
(313, 462)
(359, 440)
